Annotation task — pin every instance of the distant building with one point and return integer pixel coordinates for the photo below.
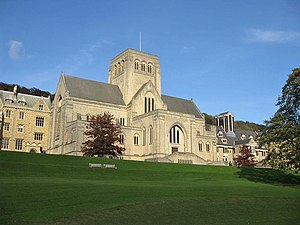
(230, 140)
(24, 121)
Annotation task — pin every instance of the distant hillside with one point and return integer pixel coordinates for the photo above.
(209, 119)
(24, 90)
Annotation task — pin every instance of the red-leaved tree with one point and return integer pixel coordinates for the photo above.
(102, 137)
(245, 158)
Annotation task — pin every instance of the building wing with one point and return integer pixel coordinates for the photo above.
(181, 106)
(93, 90)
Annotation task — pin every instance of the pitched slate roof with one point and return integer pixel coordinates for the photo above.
(29, 99)
(93, 90)
(230, 141)
(181, 105)
(247, 133)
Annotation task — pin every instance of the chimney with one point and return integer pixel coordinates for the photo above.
(15, 93)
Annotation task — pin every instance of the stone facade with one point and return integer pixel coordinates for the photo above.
(155, 127)
(24, 121)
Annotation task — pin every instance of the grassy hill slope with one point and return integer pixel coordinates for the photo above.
(49, 189)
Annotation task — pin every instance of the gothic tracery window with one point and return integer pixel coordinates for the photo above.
(175, 134)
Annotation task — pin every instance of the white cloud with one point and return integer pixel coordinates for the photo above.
(85, 56)
(272, 36)
(16, 50)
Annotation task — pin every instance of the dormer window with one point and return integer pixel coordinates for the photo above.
(41, 107)
(243, 136)
(224, 141)
(220, 134)
(9, 100)
(22, 101)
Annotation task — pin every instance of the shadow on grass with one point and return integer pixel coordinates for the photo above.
(268, 176)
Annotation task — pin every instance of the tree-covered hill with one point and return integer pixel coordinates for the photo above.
(25, 90)
(209, 119)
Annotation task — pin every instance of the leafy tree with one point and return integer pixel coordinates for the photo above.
(245, 158)
(282, 131)
(102, 137)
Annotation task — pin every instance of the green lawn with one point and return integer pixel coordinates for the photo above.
(49, 189)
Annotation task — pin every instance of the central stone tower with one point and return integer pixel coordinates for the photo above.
(131, 69)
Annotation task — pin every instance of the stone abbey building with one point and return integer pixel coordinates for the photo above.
(155, 127)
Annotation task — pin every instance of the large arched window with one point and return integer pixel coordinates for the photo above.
(175, 134)
(149, 104)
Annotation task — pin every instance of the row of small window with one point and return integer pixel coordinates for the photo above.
(21, 114)
(8, 114)
(144, 141)
(207, 147)
(19, 142)
(6, 127)
(39, 122)
(118, 68)
(142, 66)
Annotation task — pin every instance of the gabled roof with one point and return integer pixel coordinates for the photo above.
(93, 90)
(181, 105)
(30, 100)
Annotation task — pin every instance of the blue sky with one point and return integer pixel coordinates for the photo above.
(232, 55)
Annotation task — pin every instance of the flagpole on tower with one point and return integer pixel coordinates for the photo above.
(140, 41)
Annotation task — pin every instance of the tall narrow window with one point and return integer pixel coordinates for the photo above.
(149, 103)
(5, 143)
(152, 104)
(149, 68)
(122, 138)
(136, 139)
(6, 126)
(21, 115)
(150, 135)
(144, 136)
(200, 146)
(143, 67)
(7, 113)
(145, 104)
(136, 65)
(207, 147)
